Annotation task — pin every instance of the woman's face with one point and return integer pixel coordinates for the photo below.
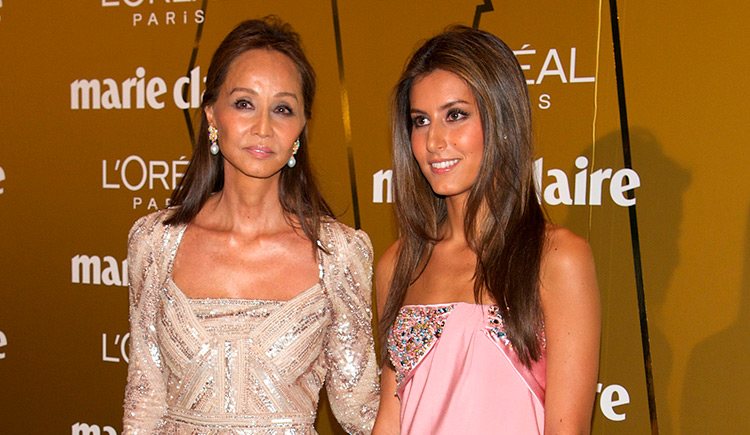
(259, 113)
(446, 137)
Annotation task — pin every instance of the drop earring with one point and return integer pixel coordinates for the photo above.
(292, 161)
(213, 137)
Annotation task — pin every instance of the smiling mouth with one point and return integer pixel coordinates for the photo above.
(444, 164)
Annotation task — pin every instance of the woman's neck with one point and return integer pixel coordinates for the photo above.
(246, 205)
(453, 229)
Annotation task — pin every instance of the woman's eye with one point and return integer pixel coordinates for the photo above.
(456, 115)
(284, 110)
(243, 104)
(419, 121)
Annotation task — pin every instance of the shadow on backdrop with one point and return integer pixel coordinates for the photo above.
(659, 202)
(717, 379)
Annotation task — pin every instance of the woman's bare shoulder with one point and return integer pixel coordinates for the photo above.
(567, 275)
(565, 251)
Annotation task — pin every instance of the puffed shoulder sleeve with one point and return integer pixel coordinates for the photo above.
(352, 380)
(145, 393)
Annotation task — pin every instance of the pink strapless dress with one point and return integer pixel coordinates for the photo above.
(457, 373)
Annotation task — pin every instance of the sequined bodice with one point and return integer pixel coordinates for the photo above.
(242, 360)
(229, 366)
(232, 317)
(418, 327)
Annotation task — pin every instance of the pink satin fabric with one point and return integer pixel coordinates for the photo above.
(471, 382)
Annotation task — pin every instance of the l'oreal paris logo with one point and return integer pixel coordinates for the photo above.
(137, 3)
(172, 17)
(559, 65)
(152, 180)
(115, 348)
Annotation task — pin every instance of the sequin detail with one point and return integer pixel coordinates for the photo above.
(496, 329)
(414, 331)
(496, 326)
(418, 327)
(221, 366)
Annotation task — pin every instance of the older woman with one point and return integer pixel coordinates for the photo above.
(246, 295)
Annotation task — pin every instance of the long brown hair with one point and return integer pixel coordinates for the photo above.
(504, 222)
(298, 192)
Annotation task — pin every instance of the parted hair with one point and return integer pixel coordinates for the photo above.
(298, 192)
(504, 222)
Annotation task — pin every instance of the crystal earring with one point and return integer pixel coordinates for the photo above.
(292, 161)
(213, 137)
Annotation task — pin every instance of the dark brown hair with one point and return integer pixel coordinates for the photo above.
(298, 191)
(504, 223)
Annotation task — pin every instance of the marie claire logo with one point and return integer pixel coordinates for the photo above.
(143, 13)
(135, 174)
(137, 92)
(586, 189)
(92, 269)
(3, 343)
(610, 399)
(91, 429)
(558, 64)
(115, 348)
(2, 179)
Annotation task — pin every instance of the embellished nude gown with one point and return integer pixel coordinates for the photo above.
(457, 373)
(237, 366)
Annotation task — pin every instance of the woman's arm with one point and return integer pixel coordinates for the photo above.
(570, 302)
(145, 392)
(352, 379)
(387, 422)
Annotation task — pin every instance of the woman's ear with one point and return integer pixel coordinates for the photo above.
(209, 111)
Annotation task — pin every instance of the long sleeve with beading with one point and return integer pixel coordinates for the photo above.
(145, 401)
(352, 379)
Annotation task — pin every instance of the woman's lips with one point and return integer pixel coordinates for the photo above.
(260, 152)
(443, 166)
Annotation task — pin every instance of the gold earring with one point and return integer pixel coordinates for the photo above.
(213, 137)
(292, 161)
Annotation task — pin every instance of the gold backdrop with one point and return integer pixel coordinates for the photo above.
(97, 105)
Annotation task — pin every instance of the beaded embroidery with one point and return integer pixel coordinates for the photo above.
(496, 326)
(248, 366)
(414, 331)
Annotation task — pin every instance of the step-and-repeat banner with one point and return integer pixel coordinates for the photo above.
(97, 112)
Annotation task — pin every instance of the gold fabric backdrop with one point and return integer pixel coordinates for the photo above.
(97, 106)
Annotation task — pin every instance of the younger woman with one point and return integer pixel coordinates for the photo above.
(489, 314)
